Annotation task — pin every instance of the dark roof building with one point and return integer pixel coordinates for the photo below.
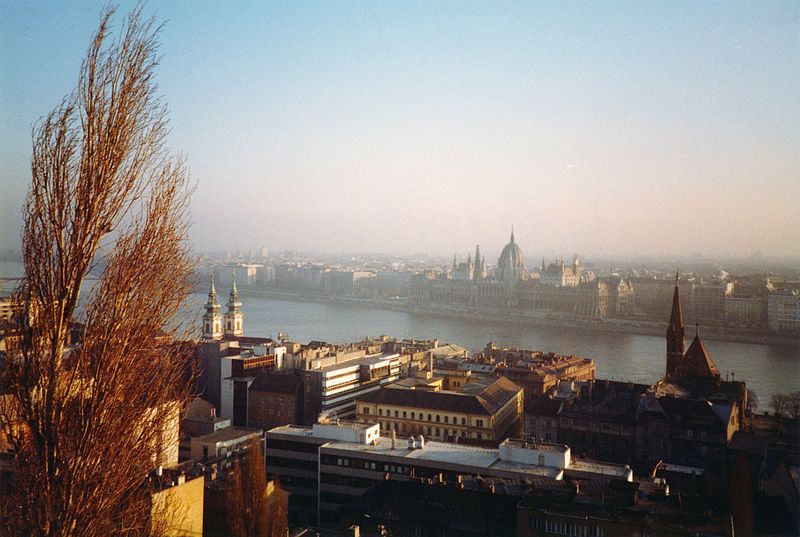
(489, 410)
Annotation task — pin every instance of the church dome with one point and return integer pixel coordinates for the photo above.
(510, 266)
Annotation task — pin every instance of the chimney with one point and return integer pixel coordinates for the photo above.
(411, 442)
(420, 442)
(394, 440)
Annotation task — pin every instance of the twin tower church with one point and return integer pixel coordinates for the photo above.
(215, 325)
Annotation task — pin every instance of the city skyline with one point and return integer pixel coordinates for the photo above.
(621, 130)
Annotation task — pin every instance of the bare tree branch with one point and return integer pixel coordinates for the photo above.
(87, 422)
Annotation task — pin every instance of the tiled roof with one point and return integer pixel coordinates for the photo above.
(696, 363)
(487, 402)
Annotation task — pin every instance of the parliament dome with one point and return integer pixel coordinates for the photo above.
(510, 266)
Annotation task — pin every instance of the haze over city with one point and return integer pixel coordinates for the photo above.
(621, 129)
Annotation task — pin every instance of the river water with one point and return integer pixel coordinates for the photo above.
(767, 369)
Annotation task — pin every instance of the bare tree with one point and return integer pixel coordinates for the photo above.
(752, 401)
(780, 404)
(793, 405)
(251, 510)
(87, 422)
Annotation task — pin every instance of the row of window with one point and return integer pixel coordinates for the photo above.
(288, 445)
(434, 432)
(422, 416)
(281, 462)
(364, 464)
(573, 529)
(595, 426)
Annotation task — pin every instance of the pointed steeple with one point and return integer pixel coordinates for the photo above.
(477, 271)
(675, 319)
(234, 319)
(212, 320)
(512, 233)
(234, 306)
(212, 303)
(676, 341)
(455, 265)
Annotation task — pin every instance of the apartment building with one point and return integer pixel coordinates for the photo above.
(324, 467)
(487, 410)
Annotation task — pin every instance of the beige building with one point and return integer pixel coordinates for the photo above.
(542, 375)
(219, 444)
(783, 311)
(489, 411)
(177, 505)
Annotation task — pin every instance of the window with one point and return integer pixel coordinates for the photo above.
(404, 413)
(463, 421)
(479, 423)
(380, 412)
(412, 416)
(429, 418)
(446, 419)
(365, 410)
(396, 414)
(541, 460)
(437, 418)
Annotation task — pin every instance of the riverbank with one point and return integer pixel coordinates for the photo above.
(537, 319)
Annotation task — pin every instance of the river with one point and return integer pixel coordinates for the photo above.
(767, 369)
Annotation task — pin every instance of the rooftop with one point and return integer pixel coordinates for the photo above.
(479, 399)
(227, 434)
(476, 459)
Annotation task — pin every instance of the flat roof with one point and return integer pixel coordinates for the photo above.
(371, 359)
(476, 458)
(473, 457)
(226, 434)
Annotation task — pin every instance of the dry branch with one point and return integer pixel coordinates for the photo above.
(87, 422)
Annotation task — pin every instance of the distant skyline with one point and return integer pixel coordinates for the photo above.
(606, 129)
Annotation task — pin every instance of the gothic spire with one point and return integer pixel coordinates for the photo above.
(477, 272)
(676, 341)
(675, 318)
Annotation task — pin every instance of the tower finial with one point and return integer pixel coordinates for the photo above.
(677, 277)
(697, 330)
(512, 232)
(233, 286)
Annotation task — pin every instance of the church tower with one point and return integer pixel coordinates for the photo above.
(234, 319)
(477, 269)
(212, 320)
(675, 334)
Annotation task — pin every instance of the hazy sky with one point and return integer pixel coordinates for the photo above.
(602, 128)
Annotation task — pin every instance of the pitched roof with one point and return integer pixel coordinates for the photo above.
(696, 363)
(486, 402)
